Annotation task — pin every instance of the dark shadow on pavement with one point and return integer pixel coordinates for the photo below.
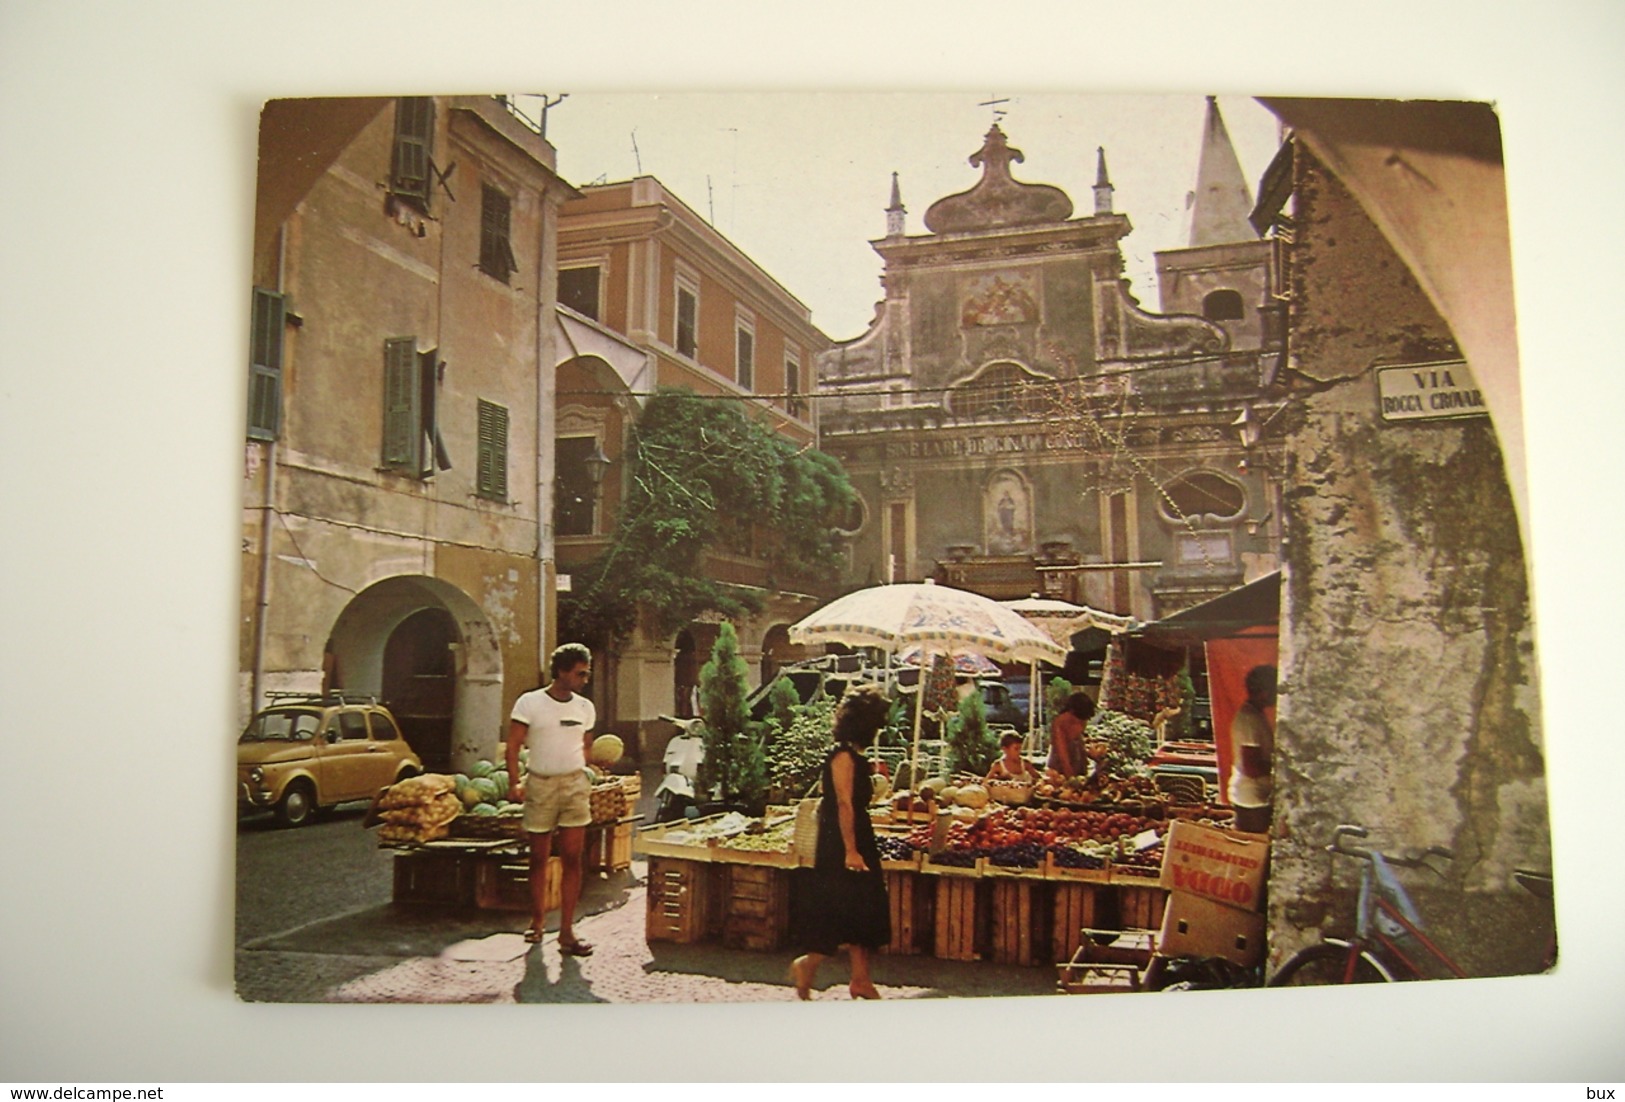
(936, 978)
(535, 987)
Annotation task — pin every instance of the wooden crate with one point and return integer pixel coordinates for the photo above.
(1019, 921)
(1141, 906)
(955, 924)
(1073, 908)
(502, 882)
(608, 847)
(679, 898)
(1107, 961)
(912, 899)
(756, 913)
(434, 876)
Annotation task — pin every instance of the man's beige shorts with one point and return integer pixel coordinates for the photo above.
(559, 801)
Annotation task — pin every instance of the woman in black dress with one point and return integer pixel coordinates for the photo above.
(841, 900)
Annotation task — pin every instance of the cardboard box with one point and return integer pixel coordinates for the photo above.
(1195, 926)
(1225, 866)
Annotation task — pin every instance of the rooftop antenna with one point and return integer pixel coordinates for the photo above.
(710, 202)
(993, 101)
(546, 103)
(636, 156)
(733, 187)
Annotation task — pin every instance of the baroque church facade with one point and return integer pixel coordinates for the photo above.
(1016, 422)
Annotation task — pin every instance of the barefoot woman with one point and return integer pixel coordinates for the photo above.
(841, 900)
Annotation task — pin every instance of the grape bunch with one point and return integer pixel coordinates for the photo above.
(1144, 859)
(1069, 858)
(894, 848)
(959, 859)
(1025, 855)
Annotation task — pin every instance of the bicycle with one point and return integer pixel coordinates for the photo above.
(1387, 928)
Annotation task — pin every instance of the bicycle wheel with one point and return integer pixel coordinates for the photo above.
(1326, 963)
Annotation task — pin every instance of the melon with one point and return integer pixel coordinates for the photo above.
(481, 769)
(484, 809)
(972, 796)
(486, 787)
(949, 795)
(607, 750)
(501, 779)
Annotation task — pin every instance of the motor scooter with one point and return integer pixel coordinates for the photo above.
(675, 797)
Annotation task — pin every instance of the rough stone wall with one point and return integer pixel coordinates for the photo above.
(1409, 700)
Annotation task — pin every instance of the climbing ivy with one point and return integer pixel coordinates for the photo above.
(701, 475)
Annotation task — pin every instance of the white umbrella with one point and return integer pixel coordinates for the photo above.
(937, 618)
(1060, 620)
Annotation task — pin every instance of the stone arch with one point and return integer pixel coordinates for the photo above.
(777, 650)
(1223, 305)
(386, 639)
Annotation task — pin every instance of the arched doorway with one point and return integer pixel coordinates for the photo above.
(420, 683)
(685, 669)
(426, 650)
(778, 650)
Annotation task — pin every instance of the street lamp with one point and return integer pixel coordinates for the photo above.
(596, 463)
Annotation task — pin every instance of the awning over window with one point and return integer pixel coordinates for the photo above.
(579, 336)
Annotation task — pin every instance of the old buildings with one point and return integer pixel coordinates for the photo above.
(637, 262)
(396, 532)
(1016, 422)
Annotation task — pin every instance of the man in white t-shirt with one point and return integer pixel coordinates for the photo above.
(555, 723)
(1252, 741)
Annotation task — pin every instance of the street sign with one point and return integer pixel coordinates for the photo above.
(1429, 391)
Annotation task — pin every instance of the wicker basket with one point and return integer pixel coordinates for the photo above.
(1010, 792)
(607, 801)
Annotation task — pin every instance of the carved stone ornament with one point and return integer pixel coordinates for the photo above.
(897, 482)
(998, 200)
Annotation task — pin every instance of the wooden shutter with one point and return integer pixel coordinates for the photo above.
(269, 315)
(688, 311)
(414, 133)
(493, 462)
(746, 358)
(496, 251)
(403, 410)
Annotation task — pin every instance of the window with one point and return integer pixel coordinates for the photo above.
(496, 253)
(1223, 306)
(414, 136)
(578, 289)
(352, 725)
(745, 352)
(575, 495)
(688, 318)
(412, 443)
(265, 365)
(1202, 494)
(794, 405)
(1003, 390)
(492, 477)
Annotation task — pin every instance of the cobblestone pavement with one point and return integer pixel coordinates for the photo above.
(337, 938)
(477, 965)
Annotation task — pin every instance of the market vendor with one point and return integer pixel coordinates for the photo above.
(1010, 765)
(1066, 757)
(1253, 741)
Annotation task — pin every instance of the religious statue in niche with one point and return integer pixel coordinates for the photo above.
(1001, 298)
(1007, 514)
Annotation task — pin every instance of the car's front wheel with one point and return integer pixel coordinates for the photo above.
(298, 804)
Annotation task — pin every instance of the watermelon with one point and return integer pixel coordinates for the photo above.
(481, 769)
(501, 779)
(483, 809)
(487, 788)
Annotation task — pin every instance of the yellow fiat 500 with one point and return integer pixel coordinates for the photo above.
(305, 753)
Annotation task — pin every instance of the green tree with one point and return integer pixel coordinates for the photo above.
(701, 474)
(972, 746)
(735, 766)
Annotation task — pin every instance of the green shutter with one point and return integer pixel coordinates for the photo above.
(496, 252)
(414, 133)
(493, 448)
(269, 314)
(403, 412)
